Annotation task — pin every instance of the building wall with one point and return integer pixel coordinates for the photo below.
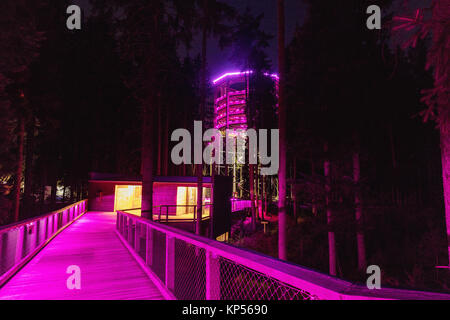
(102, 193)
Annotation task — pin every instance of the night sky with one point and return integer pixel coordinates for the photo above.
(218, 61)
(295, 14)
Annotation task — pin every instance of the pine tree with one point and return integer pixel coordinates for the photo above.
(435, 21)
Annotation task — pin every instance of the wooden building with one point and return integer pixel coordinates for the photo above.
(176, 196)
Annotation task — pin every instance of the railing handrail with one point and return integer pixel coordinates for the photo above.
(28, 237)
(300, 277)
(21, 223)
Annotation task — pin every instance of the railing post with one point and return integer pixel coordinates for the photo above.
(55, 223)
(48, 230)
(33, 228)
(149, 246)
(130, 230)
(212, 276)
(137, 238)
(45, 228)
(195, 218)
(170, 262)
(58, 221)
(2, 252)
(124, 227)
(37, 239)
(19, 244)
(167, 214)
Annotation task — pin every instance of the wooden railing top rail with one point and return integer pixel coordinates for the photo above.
(306, 279)
(34, 219)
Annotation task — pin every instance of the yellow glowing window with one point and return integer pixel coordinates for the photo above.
(127, 197)
(187, 199)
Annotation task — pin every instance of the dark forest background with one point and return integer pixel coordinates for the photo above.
(71, 103)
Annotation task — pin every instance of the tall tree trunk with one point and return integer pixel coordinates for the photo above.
(64, 191)
(147, 162)
(73, 188)
(313, 193)
(199, 172)
(263, 199)
(362, 264)
(257, 191)
(42, 191)
(331, 236)
(252, 195)
(282, 251)
(54, 187)
(441, 11)
(19, 170)
(445, 158)
(159, 157)
(166, 146)
(28, 186)
(199, 167)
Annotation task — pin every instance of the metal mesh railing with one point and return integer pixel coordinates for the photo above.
(21, 240)
(190, 271)
(158, 254)
(247, 284)
(193, 269)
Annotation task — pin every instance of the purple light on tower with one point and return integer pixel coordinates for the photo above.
(230, 98)
(237, 73)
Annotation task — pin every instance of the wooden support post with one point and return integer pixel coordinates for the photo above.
(212, 276)
(149, 246)
(170, 262)
(19, 244)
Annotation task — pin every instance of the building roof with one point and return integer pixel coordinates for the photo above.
(97, 176)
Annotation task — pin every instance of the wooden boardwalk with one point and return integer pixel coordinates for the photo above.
(108, 271)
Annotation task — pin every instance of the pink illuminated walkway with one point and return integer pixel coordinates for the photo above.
(108, 271)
